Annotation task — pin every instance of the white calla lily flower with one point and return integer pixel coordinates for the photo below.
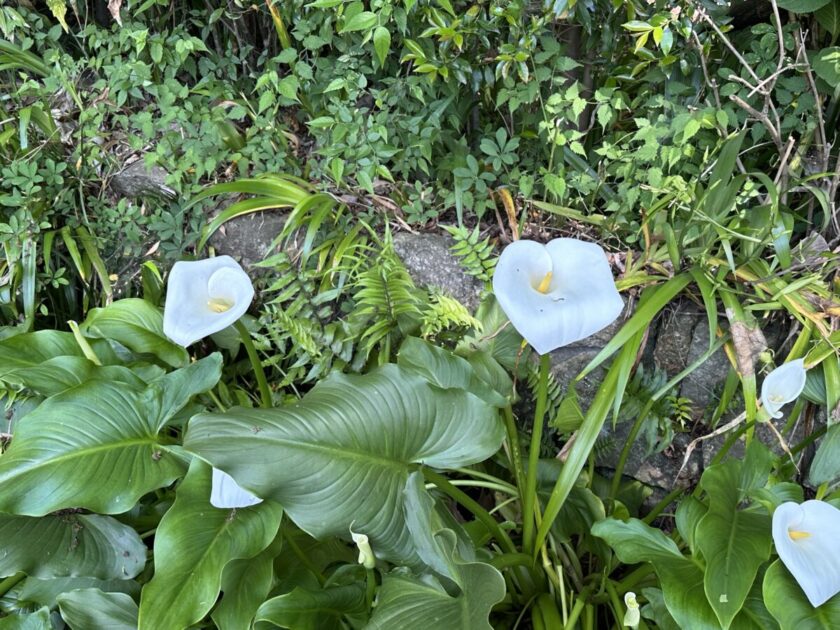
(226, 493)
(806, 541)
(632, 617)
(558, 293)
(782, 385)
(204, 297)
(366, 557)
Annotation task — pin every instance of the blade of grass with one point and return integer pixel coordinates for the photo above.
(92, 252)
(641, 318)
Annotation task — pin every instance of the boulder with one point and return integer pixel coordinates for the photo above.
(431, 264)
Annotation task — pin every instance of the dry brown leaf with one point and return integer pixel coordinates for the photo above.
(748, 343)
(114, 7)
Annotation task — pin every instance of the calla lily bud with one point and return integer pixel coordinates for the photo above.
(558, 293)
(783, 385)
(366, 557)
(204, 297)
(226, 493)
(806, 540)
(631, 616)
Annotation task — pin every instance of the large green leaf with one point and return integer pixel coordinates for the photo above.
(61, 373)
(179, 386)
(305, 609)
(657, 611)
(70, 545)
(787, 603)
(410, 603)
(733, 541)
(801, 6)
(39, 620)
(49, 361)
(433, 538)
(681, 578)
(690, 512)
(342, 455)
(93, 609)
(826, 465)
(826, 64)
(94, 446)
(446, 370)
(245, 584)
(193, 544)
(45, 592)
(138, 325)
(829, 17)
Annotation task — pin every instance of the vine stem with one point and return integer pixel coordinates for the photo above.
(529, 495)
(262, 383)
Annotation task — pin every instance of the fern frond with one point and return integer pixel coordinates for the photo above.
(445, 313)
(476, 256)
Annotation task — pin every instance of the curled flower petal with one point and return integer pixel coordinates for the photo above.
(226, 493)
(631, 615)
(783, 385)
(806, 540)
(366, 557)
(204, 297)
(558, 293)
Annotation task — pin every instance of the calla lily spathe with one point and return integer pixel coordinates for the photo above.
(558, 293)
(226, 493)
(783, 385)
(806, 540)
(204, 297)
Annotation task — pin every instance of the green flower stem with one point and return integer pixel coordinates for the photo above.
(498, 487)
(633, 578)
(506, 560)
(616, 604)
(575, 614)
(444, 485)
(262, 383)
(660, 507)
(529, 499)
(370, 587)
(9, 583)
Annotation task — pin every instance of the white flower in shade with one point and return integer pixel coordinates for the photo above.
(631, 615)
(204, 297)
(782, 385)
(226, 493)
(366, 557)
(806, 541)
(558, 293)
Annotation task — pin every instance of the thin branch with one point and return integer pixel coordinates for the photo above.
(826, 150)
(763, 117)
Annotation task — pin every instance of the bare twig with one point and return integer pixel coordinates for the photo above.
(823, 139)
(785, 157)
(763, 117)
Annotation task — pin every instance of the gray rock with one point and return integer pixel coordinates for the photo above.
(248, 238)
(138, 180)
(673, 341)
(703, 384)
(567, 362)
(658, 470)
(429, 261)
